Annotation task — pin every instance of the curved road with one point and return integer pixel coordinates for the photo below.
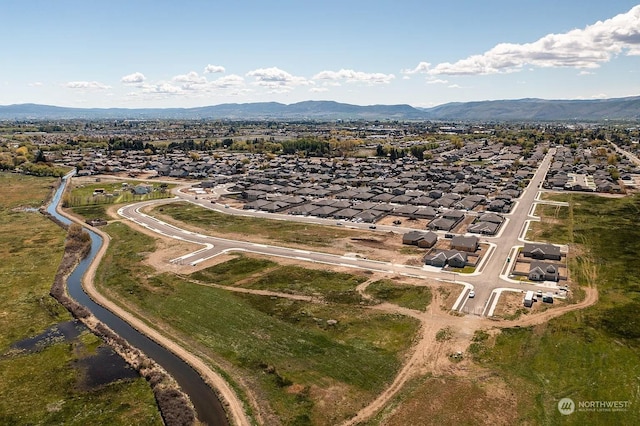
(489, 279)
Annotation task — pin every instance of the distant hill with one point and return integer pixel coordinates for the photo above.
(502, 110)
(540, 110)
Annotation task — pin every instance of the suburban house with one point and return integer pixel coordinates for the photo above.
(485, 228)
(486, 224)
(420, 239)
(453, 258)
(142, 189)
(542, 271)
(465, 243)
(442, 224)
(541, 251)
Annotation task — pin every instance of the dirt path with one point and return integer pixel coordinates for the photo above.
(590, 299)
(233, 405)
(430, 355)
(269, 293)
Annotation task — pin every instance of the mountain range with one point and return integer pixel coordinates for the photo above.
(500, 110)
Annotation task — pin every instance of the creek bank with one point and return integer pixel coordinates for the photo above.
(175, 406)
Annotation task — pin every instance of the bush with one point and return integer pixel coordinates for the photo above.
(444, 334)
(175, 407)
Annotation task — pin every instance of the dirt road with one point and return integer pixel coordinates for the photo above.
(431, 355)
(428, 355)
(233, 405)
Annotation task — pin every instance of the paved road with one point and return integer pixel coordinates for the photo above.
(491, 274)
(629, 155)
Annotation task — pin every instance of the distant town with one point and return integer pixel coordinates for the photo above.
(455, 227)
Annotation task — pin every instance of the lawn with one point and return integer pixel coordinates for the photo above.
(309, 368)
(41, 387)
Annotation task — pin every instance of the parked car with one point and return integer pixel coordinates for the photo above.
(472, 294)
(372, 227)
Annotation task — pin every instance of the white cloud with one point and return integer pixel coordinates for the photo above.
(579, 48)
(585, 73)
(87, 85)
(135, 78)
(454, 86)
(191, 85)
(212, 69)
(162, 88)
(421, 68)
(596, 96)
(167, 88)
(36, 84)
(190, 81)
(318, 89)
(351, 76)
(227, 81)
(277, 80)
(437, 81)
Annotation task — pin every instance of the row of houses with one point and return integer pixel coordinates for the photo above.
(543, 262)
(461, 246)
(581, 169)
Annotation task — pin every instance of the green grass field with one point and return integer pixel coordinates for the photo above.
(588, 355)
(287, 233)
(331, 286)
(113, 193)
(288, 348)
(407, 296)
(41, 387)
(554, 228)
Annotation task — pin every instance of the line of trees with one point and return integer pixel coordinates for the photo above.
(308, 146)
(420, 152)
(29, 161)
(117, 144)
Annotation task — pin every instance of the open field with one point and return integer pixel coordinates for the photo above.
(331, 286)
(374, 245)
(589, 355)
(554, 228)
(43, 387)
(301, 234)
(88, 192)
(450, 400)
(408, 296)
(302, 366)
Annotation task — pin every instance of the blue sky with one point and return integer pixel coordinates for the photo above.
(144, 53)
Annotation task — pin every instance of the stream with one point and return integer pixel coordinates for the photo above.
(208, 407)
